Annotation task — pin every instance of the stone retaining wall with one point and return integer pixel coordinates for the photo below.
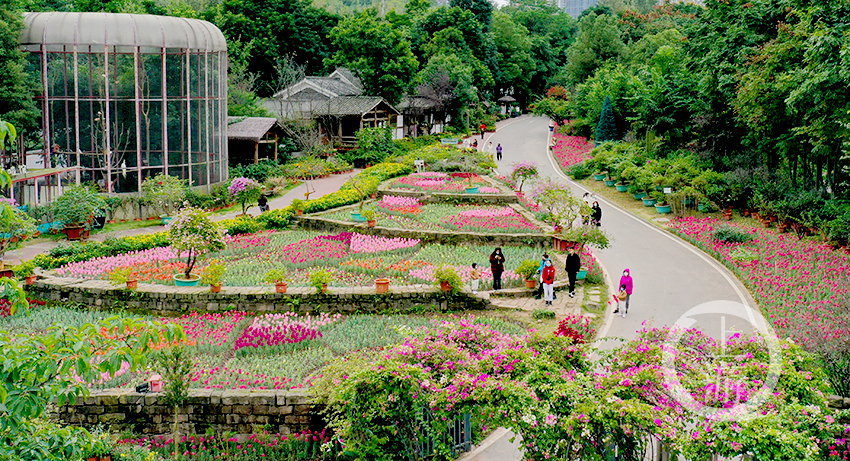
(507, 195)
(172, 300)
(240, 411)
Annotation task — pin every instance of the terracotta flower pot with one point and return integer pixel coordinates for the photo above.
(373, 195)
(446, 286)
(137, 219)
(111, 221)
(530, 283)
(745, 212)
(782, 227)
(765, 223)
(30, 279)
(299, 212)
(371, 223)
(558, 229)
(215, 288)
(756, 216)
(280, 287)
(382, 285)
(324, 288)
(132, 284)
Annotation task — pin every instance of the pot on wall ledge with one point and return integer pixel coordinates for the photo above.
(530, 284)
(280, 287)
(445, 286)
(215, 288)
(382, 285)
(74, 232)
(192, 281)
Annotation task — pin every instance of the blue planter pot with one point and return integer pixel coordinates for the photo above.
(701, 207)
(357, 217)
(472, 190)
(186, 283)
(663, 209)
(166, 219)
(622, 187)
(688, 202)
(648, 201)
(599, 177)
(640, 195)
(610, 183)
(582, 274)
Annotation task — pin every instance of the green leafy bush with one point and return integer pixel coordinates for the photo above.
(373, 146)
(275, 219)
(579, 171)
(729, 234)
(319, 278)
(242, 225)
(540, 314)
(448, 274)
(260, 172)
(527, 269)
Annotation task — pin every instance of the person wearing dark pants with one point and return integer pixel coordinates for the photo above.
(497, 266)
(499, 151)
(573, 266)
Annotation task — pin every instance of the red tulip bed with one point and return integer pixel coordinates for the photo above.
(444, 182)
(802, 286)
(407, 213)
(570, 150)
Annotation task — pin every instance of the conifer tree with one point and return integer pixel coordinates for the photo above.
(606, 129)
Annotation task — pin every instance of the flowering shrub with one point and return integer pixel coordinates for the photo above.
(245, 190)
(6, 306)
(575, 327)
(522, 172)
(99, 267)
(193, 232)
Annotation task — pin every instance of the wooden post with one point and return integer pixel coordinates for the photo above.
(256, 152)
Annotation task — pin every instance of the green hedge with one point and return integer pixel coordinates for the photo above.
(368, 180)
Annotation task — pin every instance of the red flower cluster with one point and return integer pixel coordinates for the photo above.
(6, 306)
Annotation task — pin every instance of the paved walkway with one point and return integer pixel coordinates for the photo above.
(670, 276)
(318, 188)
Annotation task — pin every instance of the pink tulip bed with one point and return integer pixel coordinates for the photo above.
(797, 283)
(444, 182)
(570, 150)
(406, 213)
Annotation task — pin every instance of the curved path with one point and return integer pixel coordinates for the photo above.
(670, 276)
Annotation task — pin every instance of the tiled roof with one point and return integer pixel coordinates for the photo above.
(352, 105)
(249, 128)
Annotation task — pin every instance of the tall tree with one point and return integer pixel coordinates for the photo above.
(482, 9)
(276, 28)
(514, 47)
(606, 129)
(597, 42)
(376, 52)
(17, 87)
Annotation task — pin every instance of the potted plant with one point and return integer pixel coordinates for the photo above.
(278, 278)
(245, 190)
(26, 271)
(98, 448)
(527, 269)
(164, 193)
(382, 285)
(359, 184)
(298, 206)
(369, 214)
(124, 275)
(469, 162)
(212, 275)
(447, 279)
(192, 232)
(319, 279)
(661, 205)
(76, 208)
(626, 172)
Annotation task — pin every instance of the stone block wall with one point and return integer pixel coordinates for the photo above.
(240, 411)
(172, 300)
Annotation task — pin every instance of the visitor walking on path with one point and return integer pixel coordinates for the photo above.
(497, 266)
(483, 129)
(474, 278)
(548, 282)
(620, 298)
(572, 268)
(626, 284)
(596, 214)
(499, 151)
(263, 203)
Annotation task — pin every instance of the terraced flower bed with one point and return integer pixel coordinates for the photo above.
(235, 350)
(408, 213)
(444, 182)
(353, 259)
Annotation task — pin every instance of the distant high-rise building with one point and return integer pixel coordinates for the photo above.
(575, 7)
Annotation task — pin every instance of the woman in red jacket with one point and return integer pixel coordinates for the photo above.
(548, 282)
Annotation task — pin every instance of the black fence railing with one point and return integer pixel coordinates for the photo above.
(458, 437)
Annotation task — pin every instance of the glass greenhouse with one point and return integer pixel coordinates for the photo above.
(128, 96)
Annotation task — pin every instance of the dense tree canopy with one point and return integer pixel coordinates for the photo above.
(17, 87)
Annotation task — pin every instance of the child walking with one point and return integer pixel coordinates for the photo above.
(548, 279)
(622, 300)
(475, 278)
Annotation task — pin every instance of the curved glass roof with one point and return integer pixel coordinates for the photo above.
(117, 29)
